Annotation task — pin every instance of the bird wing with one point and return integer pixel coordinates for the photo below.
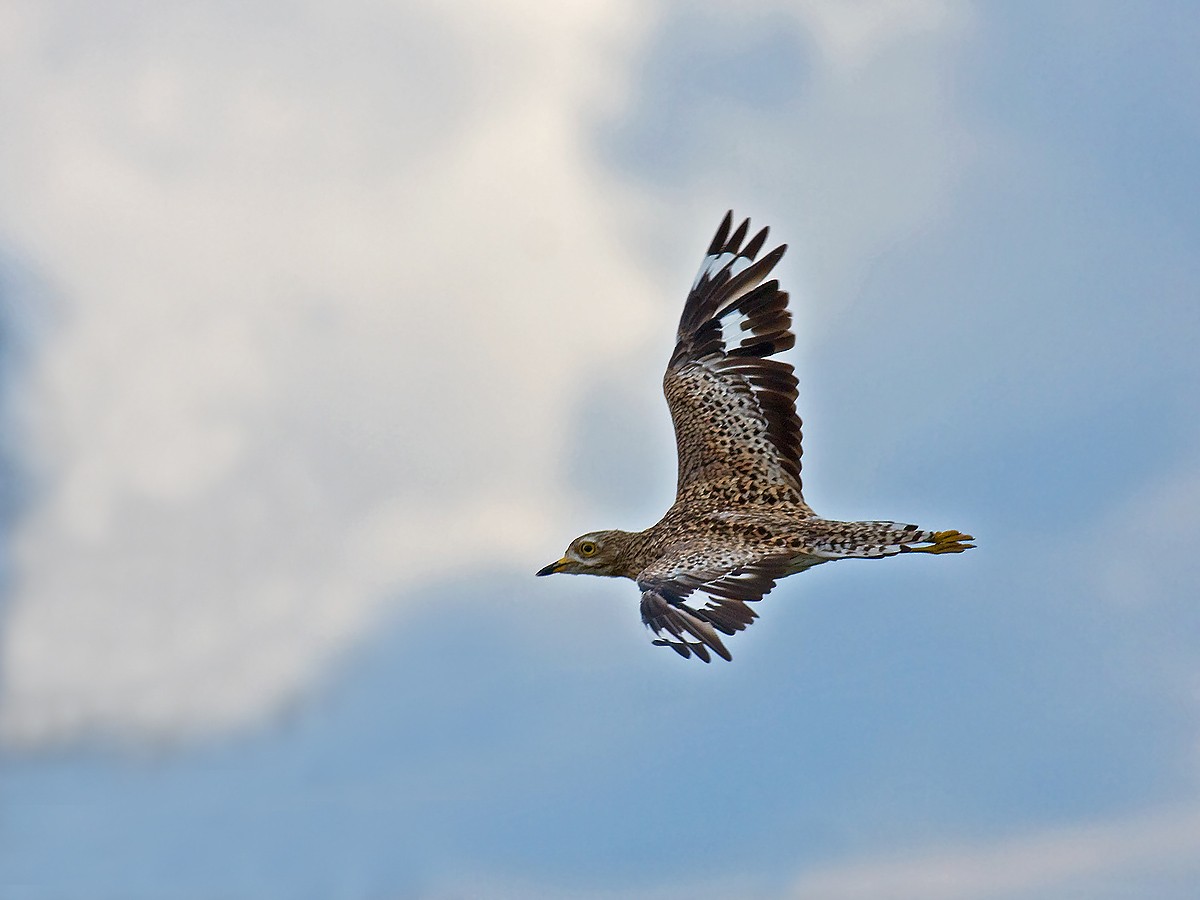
(690, 625)
(734, 409)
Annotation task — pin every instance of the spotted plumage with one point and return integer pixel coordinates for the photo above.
(739, 522)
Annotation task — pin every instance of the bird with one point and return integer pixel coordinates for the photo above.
(739, 522)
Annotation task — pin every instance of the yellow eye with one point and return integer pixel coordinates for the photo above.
(587, 548)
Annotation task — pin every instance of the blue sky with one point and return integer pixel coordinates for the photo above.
(317, 345)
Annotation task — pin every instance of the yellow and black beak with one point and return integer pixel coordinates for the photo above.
(555, 567)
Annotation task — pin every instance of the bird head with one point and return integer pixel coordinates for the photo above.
(596, 553)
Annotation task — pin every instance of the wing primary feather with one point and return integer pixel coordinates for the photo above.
(735, 241)
(718, 240)
(756, 243)
(681, 649)
(677, 624)
(708, 299)
(743, 282)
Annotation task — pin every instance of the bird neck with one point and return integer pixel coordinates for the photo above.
(627, 558)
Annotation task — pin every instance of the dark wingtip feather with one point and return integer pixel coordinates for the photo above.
(756, 243)
(735, 242)
(718, 240)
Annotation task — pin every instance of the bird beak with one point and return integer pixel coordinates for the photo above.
(554, 567)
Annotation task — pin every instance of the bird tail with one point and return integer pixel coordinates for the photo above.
(875, 540)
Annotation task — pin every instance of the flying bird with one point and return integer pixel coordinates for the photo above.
(739, 522)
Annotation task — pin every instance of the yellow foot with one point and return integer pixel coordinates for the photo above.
(945, 542)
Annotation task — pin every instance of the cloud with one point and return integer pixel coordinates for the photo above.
(327, 282)
(303, 357)
(1054, 863)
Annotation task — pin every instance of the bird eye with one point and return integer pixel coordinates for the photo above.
(587, 548)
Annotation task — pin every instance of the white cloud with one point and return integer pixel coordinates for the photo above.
(1143, 855)
(328, 284)
(1053, 863)
(853, 34)
(296, 369)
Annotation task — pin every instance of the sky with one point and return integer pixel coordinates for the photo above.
(324, 326)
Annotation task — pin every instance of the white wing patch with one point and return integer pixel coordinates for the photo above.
(715, 262)
(735, 332)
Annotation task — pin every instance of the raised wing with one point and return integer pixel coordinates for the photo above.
(734, 409)
(692, 625)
